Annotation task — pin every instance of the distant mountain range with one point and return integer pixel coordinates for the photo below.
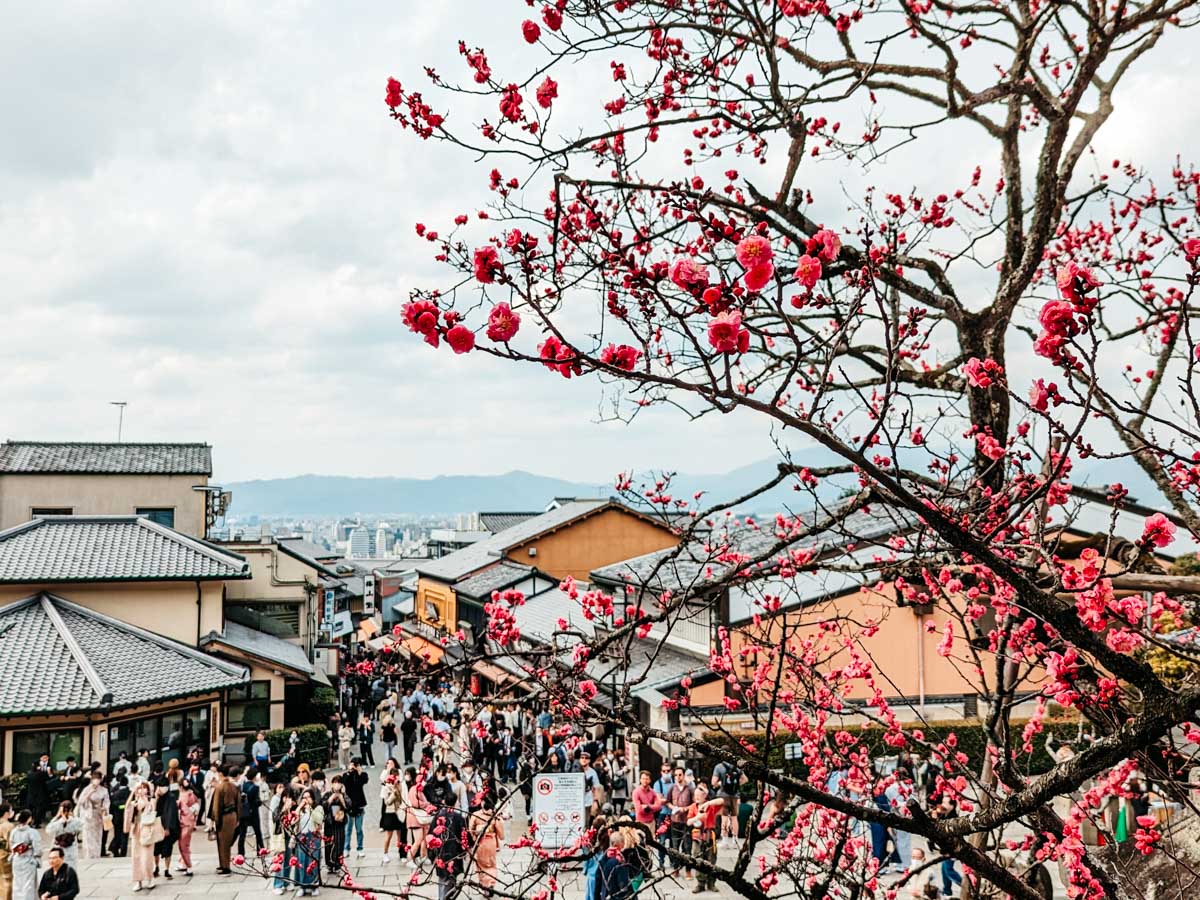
(337, 495)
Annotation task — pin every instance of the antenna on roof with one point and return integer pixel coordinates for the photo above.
(120, 405)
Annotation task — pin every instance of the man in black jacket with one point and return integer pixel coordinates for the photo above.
(38, 789)
(116, 804)
(354, 780)
(448, 857)
(59, 881)
(248, 803)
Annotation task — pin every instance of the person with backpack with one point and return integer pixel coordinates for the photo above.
(355, 782)
(249, 801)
(448, 854)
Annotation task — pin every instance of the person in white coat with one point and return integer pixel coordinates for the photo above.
(25, 848)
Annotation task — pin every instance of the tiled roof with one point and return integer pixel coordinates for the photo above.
(109, 548)
(45, 457)
(261, 645)
(57, 656)
(498, 521)
(308, 553)
(497, 578)
(689, 567)
(473, 558)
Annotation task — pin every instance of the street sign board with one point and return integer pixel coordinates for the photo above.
(558, 806)
(342, 623)
(329, 607)
(369, 595)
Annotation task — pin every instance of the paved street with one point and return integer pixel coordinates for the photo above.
(109, 878)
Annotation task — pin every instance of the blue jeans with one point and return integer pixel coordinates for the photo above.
(308, 859)
(280, 882)
(354, 822)
(949, 874)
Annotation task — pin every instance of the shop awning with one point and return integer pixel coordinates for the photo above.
(419, 647)
(494, 674)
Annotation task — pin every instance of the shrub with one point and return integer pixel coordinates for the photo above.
(13, 788)
(323, 704)
(972, 740)
(312, 749)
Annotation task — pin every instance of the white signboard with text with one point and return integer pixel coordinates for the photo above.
(558, 806)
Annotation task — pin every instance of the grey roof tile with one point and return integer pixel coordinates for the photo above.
(262, 645)
(109, 548)
(498, 521)
(29, 457)
(498, 577)
(689, 567)
(57, 656)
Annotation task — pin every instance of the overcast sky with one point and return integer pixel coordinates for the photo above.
(205, 212)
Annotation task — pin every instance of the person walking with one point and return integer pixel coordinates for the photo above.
(449, 825)
(418, 816)
(6, 827)
(387, 733)
(59, 881)
(310, 820)
(142, 827)
(65, 829)
(37, 789)
(391, 799)
(25, 848)
(118, 844)
(337, 816)
(408, 735)
(92, 807)
(211, 779)
(345, 742)
(223, 812)
(167, 806)
(264, 801)
(282, 804)
(702, 821)
(249, 801)
(355, 783)
(366, 739)
(679, 798)
(487, 834)
(189, 812)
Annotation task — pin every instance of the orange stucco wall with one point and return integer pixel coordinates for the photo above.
(600, 540)
(894, 650)
(441, 596)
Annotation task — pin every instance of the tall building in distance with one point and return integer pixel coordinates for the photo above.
(362, 543)
(385, 539)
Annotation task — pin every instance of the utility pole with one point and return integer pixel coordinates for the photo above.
(120, 405)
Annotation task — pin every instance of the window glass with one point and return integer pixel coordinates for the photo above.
(250, 707)
(51, 511)
(157, 515)
(28, 746)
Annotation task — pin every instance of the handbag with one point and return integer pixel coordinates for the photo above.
(152, 833)
(108, 823)
(278, 843)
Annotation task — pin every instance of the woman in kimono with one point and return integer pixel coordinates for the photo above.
(92, 807)
(141, 855)
(189, 809)
(65, 830)
(24, 847)
(166, 800)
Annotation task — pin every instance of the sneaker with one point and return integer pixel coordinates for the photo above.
(386, 859)
(361, 853)
(278, 892)
(137, 887)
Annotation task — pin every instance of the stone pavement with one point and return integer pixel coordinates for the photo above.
(109, 878)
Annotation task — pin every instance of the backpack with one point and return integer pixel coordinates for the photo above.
(245, 809)
(731, 781)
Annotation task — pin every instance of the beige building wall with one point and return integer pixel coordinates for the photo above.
(276, 577)
(104, 495)
(182, 610)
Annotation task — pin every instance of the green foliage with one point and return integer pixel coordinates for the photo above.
(1188, 564)
(312, 749)
(323, 704)
(971, 737)
(13, 788)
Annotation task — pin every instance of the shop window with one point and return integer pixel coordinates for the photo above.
(157, 515)
(28, 746)
(250, 707)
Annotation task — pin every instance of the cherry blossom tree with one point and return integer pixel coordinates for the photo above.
(709, 205)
